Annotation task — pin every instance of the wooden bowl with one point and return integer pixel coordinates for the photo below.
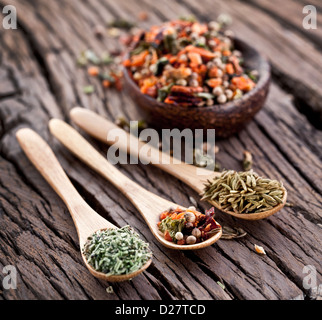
(227, 118)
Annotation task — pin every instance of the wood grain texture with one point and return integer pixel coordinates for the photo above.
(40, 80)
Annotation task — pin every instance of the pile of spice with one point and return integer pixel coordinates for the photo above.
(116, 251)
(106, 67)
(186, 227)
(244, 192)
(188, 63)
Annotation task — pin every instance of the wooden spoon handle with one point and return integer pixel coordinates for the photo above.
(144, 200)
(106, 131)
(101, 129)
(43, 158)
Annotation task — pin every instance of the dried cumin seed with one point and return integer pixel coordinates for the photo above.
(278, 199)
(268, 198)
(249, 181)
(247, 160)
(244, 192)
(226, 186)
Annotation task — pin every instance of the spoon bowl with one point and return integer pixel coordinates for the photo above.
(147, 203)
(114, 278)
(86, 220)
(99, 127)
(254, 216)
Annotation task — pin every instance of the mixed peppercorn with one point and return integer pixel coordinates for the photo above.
(189, 226)
(189, 63)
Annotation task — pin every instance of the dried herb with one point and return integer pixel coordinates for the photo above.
(106, 76)
(88, 89)
(107, 58)
(163, 92)
(244, 192)
(170, 43)
(140, 48)
(92, 57)
(130, 125)
(247, 161)
(89, 56)
(217, 167)
(189, 18)
(82, 60)
(224, 19)
(172, 226)
(161, 63)
(229, 233)
(116, 251)
(253, 75)
(122, 24)
(106, 67)
(221, 285)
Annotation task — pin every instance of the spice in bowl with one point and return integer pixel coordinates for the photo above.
(116, 251)
(244, 192)
(189, 63)
(189, 226)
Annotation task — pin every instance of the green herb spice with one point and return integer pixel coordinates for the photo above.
(244, 192)
(172, 226)
(116, 251)
(122, 24)
(88, 89)
(189, 18)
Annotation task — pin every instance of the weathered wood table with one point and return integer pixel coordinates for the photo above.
(39, 79)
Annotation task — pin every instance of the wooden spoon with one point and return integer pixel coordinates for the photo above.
(148, 204)
(86, 220)
(99, 127)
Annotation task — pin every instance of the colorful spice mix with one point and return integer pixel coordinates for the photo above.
(189, 63)
(186, 227)
(107, 68)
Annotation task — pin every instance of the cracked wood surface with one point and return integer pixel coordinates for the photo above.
(40, 80)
